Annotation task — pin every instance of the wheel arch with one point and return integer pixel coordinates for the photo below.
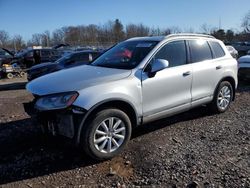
(121, 104)
(231, 80)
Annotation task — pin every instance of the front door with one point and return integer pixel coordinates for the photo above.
(169, 89)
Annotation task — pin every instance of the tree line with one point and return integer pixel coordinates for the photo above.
(112, 32)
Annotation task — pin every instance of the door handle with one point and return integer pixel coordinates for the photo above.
(218, 67)
(186, 73)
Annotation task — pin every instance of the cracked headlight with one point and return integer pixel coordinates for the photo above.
(56, 101)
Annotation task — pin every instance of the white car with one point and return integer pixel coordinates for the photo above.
(233, 51)
(244, 67)
(136, 82)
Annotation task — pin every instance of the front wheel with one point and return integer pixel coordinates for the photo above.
(106, 134)
(222, 98)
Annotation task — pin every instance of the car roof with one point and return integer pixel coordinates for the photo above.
(86, 51)
(160, 38)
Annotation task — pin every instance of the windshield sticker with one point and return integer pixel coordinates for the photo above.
(144, 45)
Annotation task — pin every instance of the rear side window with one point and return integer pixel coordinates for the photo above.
(217, 49)
(95, 55)
(84, 57)
(174, 52)
(54, 53)
(200, 50)
(45, 53)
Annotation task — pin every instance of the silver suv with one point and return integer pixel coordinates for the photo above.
(137, 81)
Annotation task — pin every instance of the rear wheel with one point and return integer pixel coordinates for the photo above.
(22, 74)
(222, 98)
(10, 75)
(106, 134)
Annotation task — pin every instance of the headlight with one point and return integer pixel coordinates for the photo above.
(56, 101)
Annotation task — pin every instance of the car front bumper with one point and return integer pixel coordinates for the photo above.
(63, 122)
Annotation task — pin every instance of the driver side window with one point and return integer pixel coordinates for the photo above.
(174, 53)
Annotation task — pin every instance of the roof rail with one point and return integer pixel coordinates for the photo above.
(189, 35)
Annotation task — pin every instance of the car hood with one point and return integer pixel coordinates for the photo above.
(42, 65)
(9, 52)
(75, 79)
(245, 58)
(244, 61)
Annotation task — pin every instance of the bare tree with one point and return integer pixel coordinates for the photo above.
(189, 30)
(36, 39)
(58, 36)
(4, 39)
(155, 31)
(246, 22)
(45, 38)
(133, 30)
(206, 29)
(18, 42)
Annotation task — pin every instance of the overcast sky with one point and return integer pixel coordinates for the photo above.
(26, 17)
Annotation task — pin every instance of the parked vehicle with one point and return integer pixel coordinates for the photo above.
(244, 67)
(233, 52)
(6, 56)
(31, 57)
(68, 61)
(137, 81)
(242, 47)
(11, 71)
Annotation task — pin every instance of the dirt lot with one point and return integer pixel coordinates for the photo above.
(194, 149)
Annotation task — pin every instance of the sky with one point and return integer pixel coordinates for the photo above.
(26, 17)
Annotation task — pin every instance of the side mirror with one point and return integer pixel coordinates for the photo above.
(159, 64)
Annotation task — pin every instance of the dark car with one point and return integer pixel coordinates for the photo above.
(31, 57)
(6, 56)
(71, 60)
(244, 67)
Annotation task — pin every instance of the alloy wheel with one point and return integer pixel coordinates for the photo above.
(109, 135)
(224, 97)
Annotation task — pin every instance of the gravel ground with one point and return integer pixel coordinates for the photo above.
(193, 149)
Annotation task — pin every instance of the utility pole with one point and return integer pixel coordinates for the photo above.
(219, 23)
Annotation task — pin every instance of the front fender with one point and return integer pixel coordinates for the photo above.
(124, 90)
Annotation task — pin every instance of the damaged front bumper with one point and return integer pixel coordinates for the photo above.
(63, 122)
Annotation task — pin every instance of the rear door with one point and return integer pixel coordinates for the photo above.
(45, 55)
(207, 69)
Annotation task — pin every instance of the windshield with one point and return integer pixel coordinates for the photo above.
(63, 59)
(126, 55)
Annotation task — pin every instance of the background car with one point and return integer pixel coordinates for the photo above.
(242, 47)
(68, 61)
(6, 56)
(244, 67)
(248, 52)
(233, 52)
(26, 58)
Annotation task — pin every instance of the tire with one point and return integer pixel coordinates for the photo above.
(10, 75)
(222, 98)
(22, 74)
(99, 141)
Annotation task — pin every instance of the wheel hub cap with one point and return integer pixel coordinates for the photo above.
(224, 97)
(109, 135)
